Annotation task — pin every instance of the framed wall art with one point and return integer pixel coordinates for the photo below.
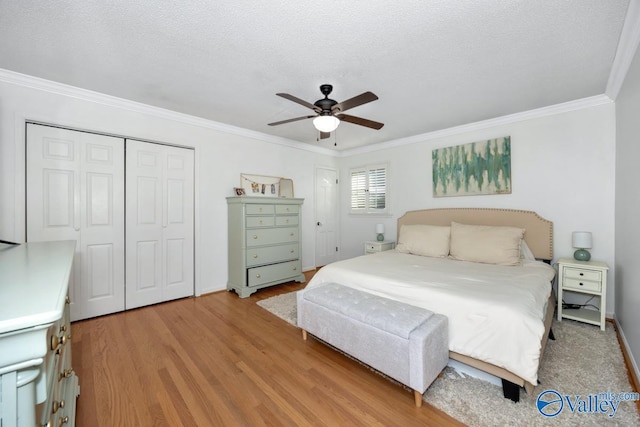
(482, 167)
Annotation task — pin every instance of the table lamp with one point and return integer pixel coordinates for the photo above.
(581, 240)
(380, 231)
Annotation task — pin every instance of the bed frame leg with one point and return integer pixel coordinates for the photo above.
(510, 390)
(551, 336)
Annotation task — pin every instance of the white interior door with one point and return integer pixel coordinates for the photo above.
(326, 216)
(75, 191)
(159, 214)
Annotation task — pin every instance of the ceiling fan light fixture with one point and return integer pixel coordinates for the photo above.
(326, 123)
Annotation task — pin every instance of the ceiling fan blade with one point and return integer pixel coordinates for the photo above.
(325, 135)
(363, 98)
(360, 121)
(290, 120)
(299, 101)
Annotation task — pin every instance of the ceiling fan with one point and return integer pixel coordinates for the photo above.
(329, 112)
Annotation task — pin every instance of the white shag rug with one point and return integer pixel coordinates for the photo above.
(582, 362)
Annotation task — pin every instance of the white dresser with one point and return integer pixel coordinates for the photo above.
(264, 242)
(37, 384)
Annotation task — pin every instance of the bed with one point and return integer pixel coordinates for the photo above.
(499, 315)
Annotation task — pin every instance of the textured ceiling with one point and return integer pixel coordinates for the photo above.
(434, 64)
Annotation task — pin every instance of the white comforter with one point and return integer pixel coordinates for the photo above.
(496, 313)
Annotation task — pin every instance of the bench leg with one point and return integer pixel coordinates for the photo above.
(304, 335)
(418, 398)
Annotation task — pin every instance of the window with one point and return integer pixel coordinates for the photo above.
(369, 190)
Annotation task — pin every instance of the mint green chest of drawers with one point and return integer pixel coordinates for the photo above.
(264, 243)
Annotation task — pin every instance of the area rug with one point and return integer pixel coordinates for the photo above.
(580, 372)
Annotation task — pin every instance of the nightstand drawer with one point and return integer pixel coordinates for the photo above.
(574, 273)
(583, 285)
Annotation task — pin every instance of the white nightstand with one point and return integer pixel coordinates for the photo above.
(585, 277)
(373, 246)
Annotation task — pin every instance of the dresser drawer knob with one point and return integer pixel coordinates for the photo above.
(581, 284)
(295, 268)
(67, 300)
(291, 234)
(255, 256)
(582, 274)
(258, 276)
(56, 341)
(63, 420)
(255, 237)
(57, 405)
(65, 374)
(291, 251)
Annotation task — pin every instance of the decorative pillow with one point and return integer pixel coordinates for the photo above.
(525, 252)
(425, 240)
(486, 244)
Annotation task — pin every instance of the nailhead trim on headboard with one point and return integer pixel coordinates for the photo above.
(538, 235)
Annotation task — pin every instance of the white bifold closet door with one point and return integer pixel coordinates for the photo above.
(75, 191)
(159, 218)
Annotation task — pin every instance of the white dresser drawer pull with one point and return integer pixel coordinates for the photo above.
(255, 237)
(291, 251)
(295, 268)
(291, 234)
(255, 256)
(258, 276)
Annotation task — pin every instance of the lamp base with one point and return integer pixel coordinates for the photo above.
(380, 237)
(582, 255)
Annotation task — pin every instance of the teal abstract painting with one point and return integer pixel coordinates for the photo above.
(482, 167)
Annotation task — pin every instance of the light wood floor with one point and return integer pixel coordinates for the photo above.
(219, 360)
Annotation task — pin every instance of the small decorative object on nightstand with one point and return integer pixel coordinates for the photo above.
(581, 240)
(372, 246)
(380, 231)
(584, 277)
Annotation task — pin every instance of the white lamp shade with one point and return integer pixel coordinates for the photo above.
(581, 239)
(326, 123)
(380, 228)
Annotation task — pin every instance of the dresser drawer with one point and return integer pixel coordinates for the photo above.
(259, 209)
(271, 254)
(287, 209)
(582, 285)
(287, 220)
(271, 236)
(260, 221)
(576, 273)
(269, 273)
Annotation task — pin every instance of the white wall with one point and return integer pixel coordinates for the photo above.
(563, 167)
(627, 265)
(220, 159)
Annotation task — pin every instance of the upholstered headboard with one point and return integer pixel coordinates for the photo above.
(538, 235)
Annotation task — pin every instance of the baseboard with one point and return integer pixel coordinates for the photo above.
(629, 361)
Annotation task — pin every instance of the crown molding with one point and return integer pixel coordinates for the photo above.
(627, 47)
(49, 86)
(550, 110)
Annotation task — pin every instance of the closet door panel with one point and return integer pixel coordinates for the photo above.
(144, 224)
(159, 223)
(178, 228)
(75, 191)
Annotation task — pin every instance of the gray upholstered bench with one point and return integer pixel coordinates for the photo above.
(407, 343)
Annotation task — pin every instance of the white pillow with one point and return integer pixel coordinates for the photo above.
(525, 252)
(486, 244)
(425, 240)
